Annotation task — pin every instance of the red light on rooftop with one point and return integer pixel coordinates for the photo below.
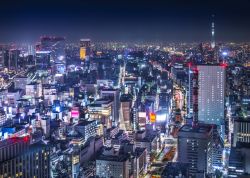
(224, 65)
(196, 70)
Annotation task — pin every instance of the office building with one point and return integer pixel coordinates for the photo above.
(45, 125)
(176, 170)
(1, 58)
(42, 59)
(236, 163)
(90, 149)
(241, 132)
(21, 82)
(3, 117)
(211, 94)
(14, 58)
(137, 159)
(85, 48)
(112, 164)
(34, 89)
(148, 140)
(102, 110)
(49, 94)
(126, 112)
(65, 163)
(20, 159)
(113, 95)
(128, 161)
(239, 161)
(87, 129)
(31, 50)
(12, 96)
(195, 148)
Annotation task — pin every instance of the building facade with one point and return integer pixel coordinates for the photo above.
(211, 94)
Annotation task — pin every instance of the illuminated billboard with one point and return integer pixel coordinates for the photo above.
(161, 116)
(152, 117)
(75, 112)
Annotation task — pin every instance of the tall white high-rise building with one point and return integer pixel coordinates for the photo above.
(211, 94)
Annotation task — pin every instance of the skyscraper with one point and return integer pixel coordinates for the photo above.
(42, 59)
(1, 58)
(241, 132)
(14, 59)
(84, 48)
(18, 158)
(126, 103)
(195, 148)
(109, 164)
(211, 94)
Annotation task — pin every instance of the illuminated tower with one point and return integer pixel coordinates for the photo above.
(213, 33)
(85, 48)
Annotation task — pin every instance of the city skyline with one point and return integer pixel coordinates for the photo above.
(124, 89)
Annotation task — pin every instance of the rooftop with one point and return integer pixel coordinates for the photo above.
(21, 76)
(85, 123)
(173, 169)
(109, 89)
(126, 97)
(198, 129)
(120, 157)
(12, 90)
(100, 102)
(13, 140)
(241, 119)
(149, 136)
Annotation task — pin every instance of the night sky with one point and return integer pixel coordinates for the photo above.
(124, 20)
